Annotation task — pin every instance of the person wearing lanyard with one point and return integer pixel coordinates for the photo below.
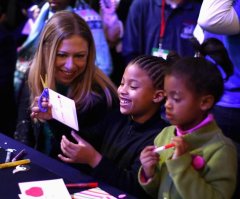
(167, 24)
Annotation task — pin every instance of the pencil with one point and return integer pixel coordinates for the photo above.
(15, 163)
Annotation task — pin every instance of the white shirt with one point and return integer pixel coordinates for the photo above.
(219, 16)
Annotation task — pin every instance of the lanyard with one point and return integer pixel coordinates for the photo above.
(162, 25)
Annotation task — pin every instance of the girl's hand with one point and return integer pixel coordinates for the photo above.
(42, 116)
(82, 152)
(149, 160)
(181, 147)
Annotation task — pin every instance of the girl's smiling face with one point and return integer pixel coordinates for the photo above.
(137, 93)
(71, 59)
(184, 108)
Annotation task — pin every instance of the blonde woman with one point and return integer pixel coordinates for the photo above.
(66, 54)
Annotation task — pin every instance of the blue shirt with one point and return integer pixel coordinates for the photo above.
(142, 32)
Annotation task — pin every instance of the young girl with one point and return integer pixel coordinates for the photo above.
(113, 155)
(203, 162)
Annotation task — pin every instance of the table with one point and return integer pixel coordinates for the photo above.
(43, 167)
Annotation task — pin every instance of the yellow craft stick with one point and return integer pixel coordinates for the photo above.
(15, 163)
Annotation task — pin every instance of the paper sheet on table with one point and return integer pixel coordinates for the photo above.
(45, 189)
(94, 193)
(63, 109)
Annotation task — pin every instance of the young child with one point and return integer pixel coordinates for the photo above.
(112, 151)
(203, 162)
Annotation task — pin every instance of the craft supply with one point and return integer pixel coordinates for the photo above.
(21, 168)
(82, 185)
(94, 193)
(44, 189)
(44, 94)
(122, 196)
(19, 156)
(13, 164)
(161, 148)
(9, 154)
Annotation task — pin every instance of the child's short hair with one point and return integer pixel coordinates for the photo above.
(154, 66)
(201, 76)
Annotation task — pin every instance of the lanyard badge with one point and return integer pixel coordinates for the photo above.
(44, 94)
(159, 52)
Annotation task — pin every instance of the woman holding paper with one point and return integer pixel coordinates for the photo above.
(66, 56)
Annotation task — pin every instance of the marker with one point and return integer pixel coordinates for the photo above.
(83, 185)
(162, 148)
(20, 155)
(13, 164)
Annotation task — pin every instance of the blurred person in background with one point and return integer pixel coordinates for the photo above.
(32, 14)
(157, 26)
(221, 19)
(8, 57)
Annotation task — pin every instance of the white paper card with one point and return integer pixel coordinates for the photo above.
(63, 109)
(45, 189)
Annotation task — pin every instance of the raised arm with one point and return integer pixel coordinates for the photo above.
(220, 16)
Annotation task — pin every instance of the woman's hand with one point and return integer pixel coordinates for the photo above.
(149, 160)
(82, 152)
(181, 147)
(37, 114)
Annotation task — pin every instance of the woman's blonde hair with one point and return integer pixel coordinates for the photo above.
(63, 25)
